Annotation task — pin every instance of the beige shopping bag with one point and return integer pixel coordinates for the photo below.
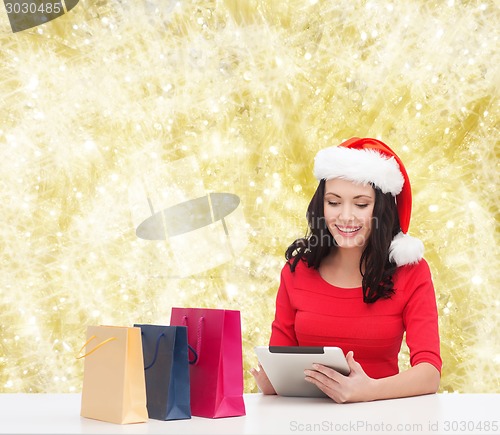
(114, 386)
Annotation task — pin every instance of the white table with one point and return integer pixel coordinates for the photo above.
(432, 414)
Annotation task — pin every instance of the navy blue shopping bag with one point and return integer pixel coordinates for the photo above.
(166, 368)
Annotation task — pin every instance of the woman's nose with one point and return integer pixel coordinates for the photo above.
(345, 212)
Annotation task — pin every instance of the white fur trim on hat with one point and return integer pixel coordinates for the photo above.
(359, 165)
(405, 249)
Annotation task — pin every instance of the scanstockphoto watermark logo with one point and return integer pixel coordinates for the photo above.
(356, 426)
(361, 426)
(24, 14)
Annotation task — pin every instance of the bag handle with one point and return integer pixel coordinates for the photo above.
(195, 355)
(156, 350)
(195, 359)
(95, 348)
(199, 333)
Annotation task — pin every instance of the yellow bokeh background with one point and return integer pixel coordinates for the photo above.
(109, 98)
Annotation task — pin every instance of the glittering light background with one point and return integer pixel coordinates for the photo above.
(106, 98)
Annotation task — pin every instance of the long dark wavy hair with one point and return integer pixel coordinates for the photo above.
(375, 267)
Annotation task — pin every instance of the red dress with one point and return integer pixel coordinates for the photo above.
(312, 312)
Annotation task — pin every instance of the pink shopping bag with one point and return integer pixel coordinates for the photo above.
(216, 378)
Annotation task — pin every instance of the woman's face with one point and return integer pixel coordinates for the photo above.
(348, 209)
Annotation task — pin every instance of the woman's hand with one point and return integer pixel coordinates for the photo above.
(262, 380)
(357, 387)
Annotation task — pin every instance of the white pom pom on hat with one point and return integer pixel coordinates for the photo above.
(367, 160)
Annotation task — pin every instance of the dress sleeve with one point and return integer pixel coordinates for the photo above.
(283, 326)
(420, 318)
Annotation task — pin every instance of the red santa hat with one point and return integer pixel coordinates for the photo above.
(367, 160)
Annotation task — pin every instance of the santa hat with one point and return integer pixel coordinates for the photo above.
(366, 160)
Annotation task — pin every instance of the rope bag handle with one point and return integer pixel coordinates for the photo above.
(158, 346)
(196, 351)
(95, 348)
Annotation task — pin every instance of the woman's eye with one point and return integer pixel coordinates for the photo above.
(362, 205)
(333, 203)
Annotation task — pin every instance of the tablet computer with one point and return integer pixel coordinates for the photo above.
(285, 365)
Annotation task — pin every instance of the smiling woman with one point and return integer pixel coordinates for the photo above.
(364, 285)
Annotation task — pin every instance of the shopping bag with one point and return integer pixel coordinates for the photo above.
(114, 388)
(166, 366)
(217, 375)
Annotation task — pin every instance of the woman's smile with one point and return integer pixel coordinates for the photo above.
(348, 231)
